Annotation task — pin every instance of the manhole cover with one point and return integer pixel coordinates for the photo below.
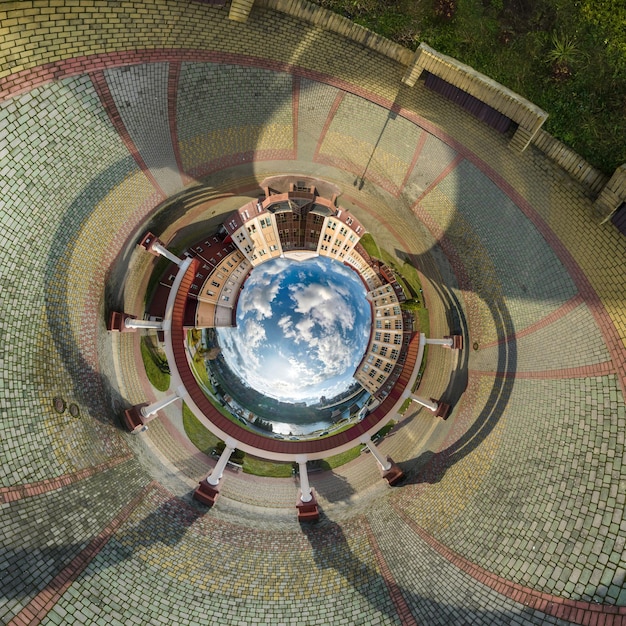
(475, 345)
(59, 404)
(74, 410)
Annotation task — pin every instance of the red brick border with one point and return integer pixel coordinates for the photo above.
(562, 311)
(37, 609)
(582, 371)
(295, 111)
(575, 611)
(444, 172)
(172, 98)
(27, 490)
(329, 120)
(416, 155)
(395, 592)
(104, 93)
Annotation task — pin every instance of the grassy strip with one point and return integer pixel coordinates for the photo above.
(344, 457)
(340, 459)
(367, 241)
(261, 467)
(199, 435)
(206, 442)
(158, 378)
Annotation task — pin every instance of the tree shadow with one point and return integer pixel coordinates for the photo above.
(332, 487)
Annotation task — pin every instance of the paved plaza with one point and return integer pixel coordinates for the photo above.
(512, 511)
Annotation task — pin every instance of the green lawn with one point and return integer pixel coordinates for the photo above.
(568, 57)
(153, 360)
(200, 436)
(205, 441)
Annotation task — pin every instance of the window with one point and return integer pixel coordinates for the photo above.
(397, 339)
(215, 283)
(377, 336)
(343, 230)
(210, 293)
(273, 247)
(380, 378)
(388, 367)
(379, 324)
(225, 298)
(387, 337)
(383, 351)
(372, 373)
(375, 348)
(394, 354)
(398, 324)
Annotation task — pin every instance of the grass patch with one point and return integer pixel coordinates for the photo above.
(349, 455)
(405, 405)
(340, 459)
(199, 435)
(367, 241)
(206, 442)
(154, 362)
(568, 58)
(261, 467)
(423, 321)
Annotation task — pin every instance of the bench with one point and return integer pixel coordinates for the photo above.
(528, 116)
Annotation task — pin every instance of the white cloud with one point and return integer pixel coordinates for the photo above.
(307, 349)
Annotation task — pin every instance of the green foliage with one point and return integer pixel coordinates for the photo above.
(514, 43)
(564, 50)
(259, 422)
(155, 363)
(411, 305)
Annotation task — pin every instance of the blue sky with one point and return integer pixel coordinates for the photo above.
(302, 328)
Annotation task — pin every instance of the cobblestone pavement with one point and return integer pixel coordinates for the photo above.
(512, 511)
